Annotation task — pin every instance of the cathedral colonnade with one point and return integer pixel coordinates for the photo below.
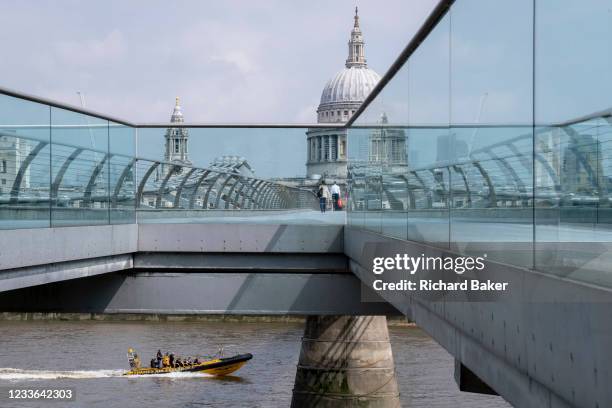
(326, 148)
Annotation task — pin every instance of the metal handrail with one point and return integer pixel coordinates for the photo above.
(76, 109)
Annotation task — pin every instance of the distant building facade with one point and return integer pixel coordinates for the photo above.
(387, 145)
(13, 152)
(582, 166)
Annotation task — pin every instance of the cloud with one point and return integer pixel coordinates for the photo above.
(239, 59)
(85, 53)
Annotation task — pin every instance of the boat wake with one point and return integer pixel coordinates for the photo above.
(16, 374)
(19, 374)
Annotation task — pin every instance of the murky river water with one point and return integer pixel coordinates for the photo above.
(90, 357)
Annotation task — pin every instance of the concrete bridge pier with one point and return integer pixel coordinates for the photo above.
(346, 361)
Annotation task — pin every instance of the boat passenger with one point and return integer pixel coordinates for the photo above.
(159, 359)
(153, 363)
(136, 360)
(179, 363)
(171, 359)
(166, 361)
(196, 361)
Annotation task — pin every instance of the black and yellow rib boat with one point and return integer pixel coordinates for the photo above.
(215, 366)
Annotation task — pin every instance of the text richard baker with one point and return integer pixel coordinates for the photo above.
(430, 285)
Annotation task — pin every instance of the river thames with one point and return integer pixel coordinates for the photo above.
(89, 357)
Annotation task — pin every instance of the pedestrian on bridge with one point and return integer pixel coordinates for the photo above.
(335, 192)
(324, 196)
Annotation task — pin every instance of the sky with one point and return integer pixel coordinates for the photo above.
(263, 61)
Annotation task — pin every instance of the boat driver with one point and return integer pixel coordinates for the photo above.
(159, 359)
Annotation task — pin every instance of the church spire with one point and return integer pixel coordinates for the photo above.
(177, 140)
(356, 56)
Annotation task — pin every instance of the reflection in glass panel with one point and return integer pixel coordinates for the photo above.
(572, 157)
(80, 190)
(492, 206)
(491, 137)
(357, 175)
(373, 198)
(365, 170)
(378, 194)
(429, 178)
(388, 152)
(24, 164)
(122, 173)
(573, 200)
(427, 149)
(394, 181)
